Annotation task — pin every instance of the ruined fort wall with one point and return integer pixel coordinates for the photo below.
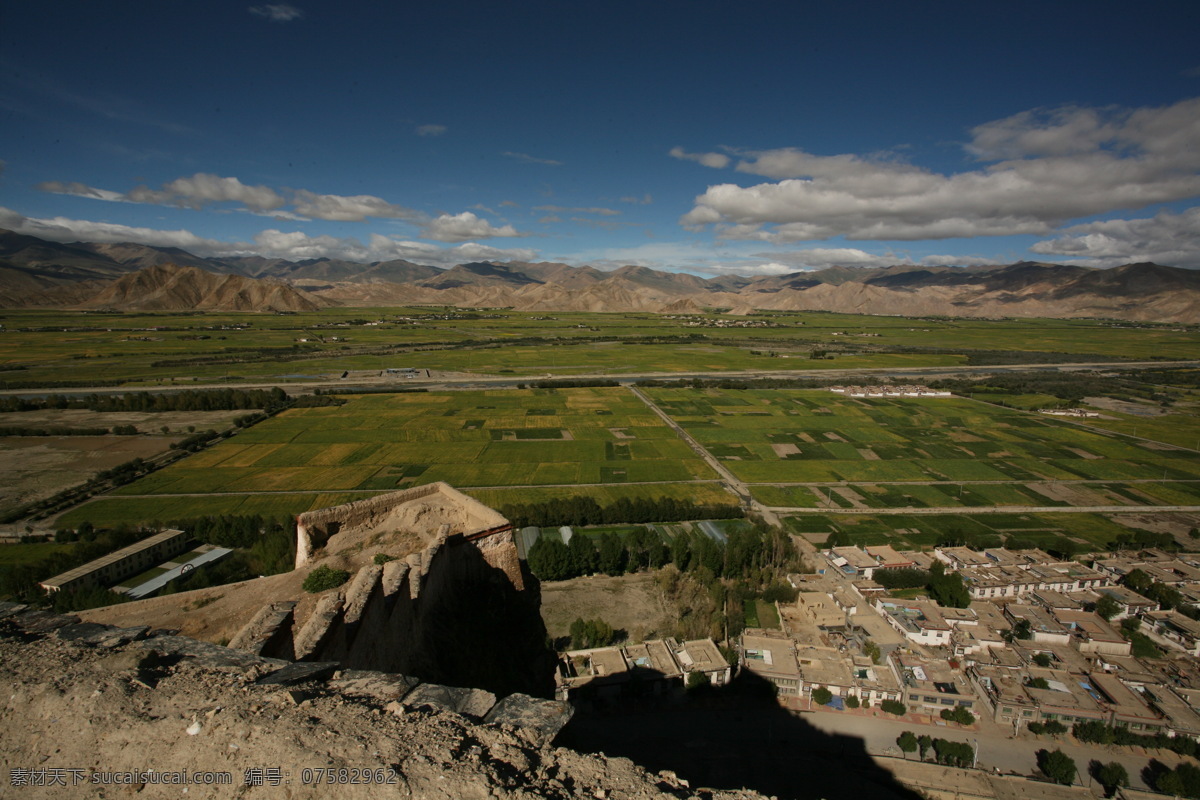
(426, 512)
(458, 612)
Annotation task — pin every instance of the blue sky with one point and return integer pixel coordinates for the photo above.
(712, 138)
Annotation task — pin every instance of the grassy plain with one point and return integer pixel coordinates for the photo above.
(791, 436)
(377, 443)
(917, 532)
(155, 349)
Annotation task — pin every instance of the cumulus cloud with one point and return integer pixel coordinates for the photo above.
(294, 245)
(1166, 238)
(714, 160)
(354, 208)
(203, 189)
(76, 189)
(277, 12)
(63, 229)
(1048, 167)
(528, 159)
(271, 242)
(604, 212)
(463, 227)
(430, 130)
(824, 257)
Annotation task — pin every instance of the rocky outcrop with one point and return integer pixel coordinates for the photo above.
(158, 705)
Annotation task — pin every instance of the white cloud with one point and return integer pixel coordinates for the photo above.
(277, 12)
(294, 245)
(355, 208)
(644, 200)
(528, 159)
(824, 257)
(76, 189)
(430, 130)
(1057, 165)
(463, 227)
(62, 229)
(203, 189)
(1166, 238)
(714, 160)
(271, 242)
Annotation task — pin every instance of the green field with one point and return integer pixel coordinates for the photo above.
(792, 436)
(375, 443)
(915, 532)
(182, 348)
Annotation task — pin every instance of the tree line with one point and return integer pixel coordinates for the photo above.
(583, 510)
(187, 400)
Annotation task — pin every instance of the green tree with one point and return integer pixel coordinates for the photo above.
(871, 651)
(697, 680)
(1057, 766)
(1042, 659)
(1037, 683)
(924, 742)
(821, 695)
(907, 742)
(1111, 776)
(852, 702)
(894, 707)
(1107, 607)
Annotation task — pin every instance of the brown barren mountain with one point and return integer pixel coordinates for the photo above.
(172, 288)
(37, 273)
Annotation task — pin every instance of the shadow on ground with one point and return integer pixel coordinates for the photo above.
(733, 738)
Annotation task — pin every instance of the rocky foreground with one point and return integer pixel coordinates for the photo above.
(92, 710)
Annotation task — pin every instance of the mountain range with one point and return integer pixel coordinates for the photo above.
(126, 276)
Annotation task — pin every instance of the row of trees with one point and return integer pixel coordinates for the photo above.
(951, 754)
(187, 400)
(581, 510)
(746, 553)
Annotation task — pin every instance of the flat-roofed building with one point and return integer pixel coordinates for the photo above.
(853, 561)
(1092, 634)
(1126, 707)
(656, 666)
(1009, 703)
(919, 559)
(919, 621)
(1069, 698)
(887, 558)
(1130, 602)
(703, 656)
(1042, 626)
(957, 558)
(931, 685)
(1182, 631)
(771, 655)
(820, 609)
(1055, 601)
(826, 668)
(125, 563)
(1180, 717)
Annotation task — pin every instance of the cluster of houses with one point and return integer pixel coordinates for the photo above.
(1029, 648)
(653, 667)
(889, 391)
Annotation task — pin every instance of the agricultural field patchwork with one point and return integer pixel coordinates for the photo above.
(535, 437)
(792, 436)
(1090, 531)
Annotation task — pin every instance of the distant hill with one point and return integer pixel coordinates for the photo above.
(34, 272)
(172, 288)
